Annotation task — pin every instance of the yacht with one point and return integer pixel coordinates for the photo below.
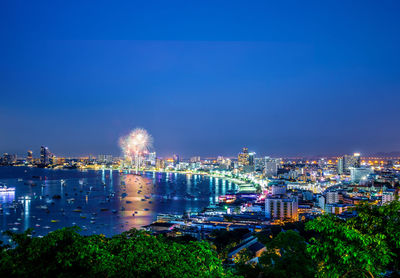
(4, 188)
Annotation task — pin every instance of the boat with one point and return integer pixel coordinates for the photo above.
(4, 188)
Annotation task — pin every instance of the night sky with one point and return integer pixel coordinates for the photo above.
(203, 77)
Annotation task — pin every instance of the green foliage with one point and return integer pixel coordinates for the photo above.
(286, 256)
(342, 250)
(383, 220)
(65, 253)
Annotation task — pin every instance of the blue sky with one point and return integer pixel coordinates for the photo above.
(203, 77)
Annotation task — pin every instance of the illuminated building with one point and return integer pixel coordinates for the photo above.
(281, 208)
(151, 158)
(332, 197)
(278, 190)
(160, 163)
(360, 174)
(340, 165)
(243, 157)
(105, 158)
(348, 161)
(176, 159)
(271, 167)
(29, 157)
(44, 155)
(9, 158)
(195, 159)
(388, 196)
(251, 158)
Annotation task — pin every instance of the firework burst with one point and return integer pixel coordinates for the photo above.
(136, 144)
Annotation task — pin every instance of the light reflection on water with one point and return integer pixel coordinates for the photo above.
(101, 201)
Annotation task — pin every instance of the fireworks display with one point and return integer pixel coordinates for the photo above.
(136, 144)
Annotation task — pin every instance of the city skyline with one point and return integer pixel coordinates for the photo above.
(284, 79)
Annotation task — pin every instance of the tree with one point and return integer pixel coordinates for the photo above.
(384, 220)
(341, 250)
(65, 253)
(286, 256)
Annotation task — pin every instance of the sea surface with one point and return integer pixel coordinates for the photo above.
(99, 201)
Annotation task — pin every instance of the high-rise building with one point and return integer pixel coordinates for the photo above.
(29, 157)
(348, 161)
(352, 161)
(9, 158)
(152, 158)
(251, 158)
(271, 167)
(243, 157)
(195, 159)
(340, 165)
(332, 197)
(281, 208)
(160, 163)
(44, 155)
(104, 158)
(176, 159)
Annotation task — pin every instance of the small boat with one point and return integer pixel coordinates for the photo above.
(77, 210)
(114, 211)
(4, 188)
(55, 220)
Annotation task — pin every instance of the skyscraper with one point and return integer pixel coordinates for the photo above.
(29, 157)
(340, 165)
(271, 167)
(243, 157)
(251, 158)
(348, 161)
(44, 155)
(176, 159)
